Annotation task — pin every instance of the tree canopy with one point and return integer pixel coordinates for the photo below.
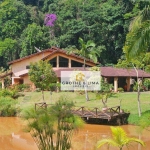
(106, 23)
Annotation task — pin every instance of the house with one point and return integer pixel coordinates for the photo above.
(61, 61)
(121, 77)
(57, 57)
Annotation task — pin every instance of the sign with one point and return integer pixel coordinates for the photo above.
(80, 80)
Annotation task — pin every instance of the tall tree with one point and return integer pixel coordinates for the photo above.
(87, 50)
(33, 35)
(137, 41)
(138, 38)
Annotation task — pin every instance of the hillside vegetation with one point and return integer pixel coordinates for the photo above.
(105, 22)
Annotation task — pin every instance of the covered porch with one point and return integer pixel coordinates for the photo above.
(122, 78)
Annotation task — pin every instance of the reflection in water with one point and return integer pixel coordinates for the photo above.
(13, 138)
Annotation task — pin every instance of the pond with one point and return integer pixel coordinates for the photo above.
(12, 137)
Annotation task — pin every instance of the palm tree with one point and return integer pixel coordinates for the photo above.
(119, 139)
(138, 38)
(87, 51)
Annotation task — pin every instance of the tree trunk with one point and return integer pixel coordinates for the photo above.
(138, 92)
(138, 98)
(43, 95)
(86, 93)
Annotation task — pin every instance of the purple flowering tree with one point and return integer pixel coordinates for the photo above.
(50, 21)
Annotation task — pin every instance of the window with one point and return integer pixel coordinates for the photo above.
(76, 64)
(27, 67)
(53, 62)
(63, 62)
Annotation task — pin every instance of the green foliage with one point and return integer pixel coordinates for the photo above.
(133, 119)
(54, 86)
(144, 120)
(137, 40)
(120, 89)
(142, 87)
(146, 83)
(42, 74)
(22, 87)
(52, 128)
(119, 139)
(9, 93)
(33, 35)
(8, 106)
(105, 92)
(23, 22)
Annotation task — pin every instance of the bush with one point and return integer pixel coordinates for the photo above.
(37, 90)
(21, 87)
(120, 89)
(54, 86)
(135, 87)
(146, 83)
(8, 106)
(10, 93)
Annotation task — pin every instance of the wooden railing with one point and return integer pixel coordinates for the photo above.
(97, 113)
(89, 113)
(40, 105)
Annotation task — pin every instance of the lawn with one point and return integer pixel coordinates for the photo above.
(128, 100)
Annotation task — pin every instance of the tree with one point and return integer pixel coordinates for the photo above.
(8, 50)
(42, 74)
(87, 50)
(32, 36)
(52, 128)
(137, 40)
(119, 139)
(105, 92)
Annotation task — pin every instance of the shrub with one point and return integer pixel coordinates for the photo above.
(22, 87)
(54, 124)
(10, 93)
(37, 90)
(135, 87)
(54, 86)
(8, 106)
(146, 83)
(120, 89)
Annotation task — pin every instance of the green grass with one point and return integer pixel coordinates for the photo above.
(128, 101)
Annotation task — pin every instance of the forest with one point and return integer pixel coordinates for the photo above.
(23, 26)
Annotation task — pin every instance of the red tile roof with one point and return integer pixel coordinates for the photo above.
(52, 50)
(109, 72)
(121, 72)
(26, 57)
(64, 52)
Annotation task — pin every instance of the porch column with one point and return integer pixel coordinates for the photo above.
(128, 83)
(105, 79)
(69, 63)
(57, 61)
(2, 83)
(115, 84)
(13, 82)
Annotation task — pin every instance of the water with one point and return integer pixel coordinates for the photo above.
(12, 137)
